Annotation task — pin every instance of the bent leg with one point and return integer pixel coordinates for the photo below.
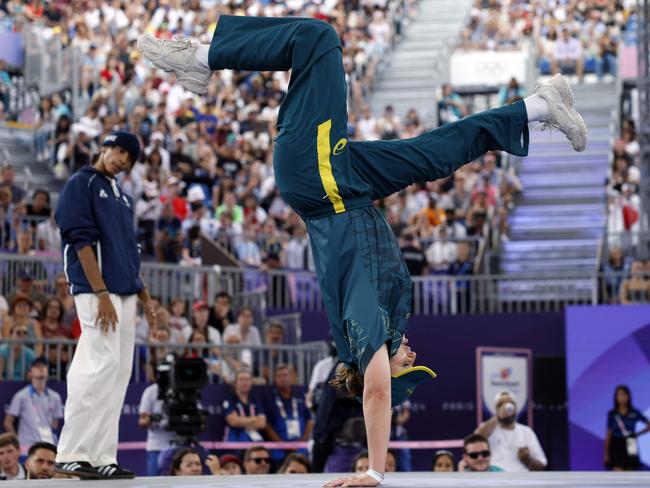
(391, 166)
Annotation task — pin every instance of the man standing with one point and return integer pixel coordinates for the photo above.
(288, 418)
(515, 447)
(40, 461)
(151, 418)
(37, 408)
(476, 455)
(102, 266)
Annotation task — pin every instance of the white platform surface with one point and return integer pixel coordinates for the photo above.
(393, 480)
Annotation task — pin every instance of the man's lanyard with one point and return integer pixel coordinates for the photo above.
(283, 412)
(242, 412)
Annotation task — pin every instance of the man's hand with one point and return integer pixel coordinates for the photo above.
(150, 314)
(361, 479)
(524, 455)
(106, 314)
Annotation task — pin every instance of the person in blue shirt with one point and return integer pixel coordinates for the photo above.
(16, 358)
(245, 417)
(101, 261)
(621, 446)
(288, 418)
(331, 183)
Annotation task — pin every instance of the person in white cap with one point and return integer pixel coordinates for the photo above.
(514, 446)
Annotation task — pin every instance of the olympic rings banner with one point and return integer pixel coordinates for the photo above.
(504, 369)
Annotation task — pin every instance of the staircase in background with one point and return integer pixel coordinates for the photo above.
(559, 218)
(420, 62)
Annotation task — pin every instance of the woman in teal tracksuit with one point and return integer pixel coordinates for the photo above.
(331, 183)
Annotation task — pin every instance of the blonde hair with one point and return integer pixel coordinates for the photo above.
(349, 380)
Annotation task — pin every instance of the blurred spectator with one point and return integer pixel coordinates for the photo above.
(636, 288)
(234, 359)
(288, 418)
(463, 265)
(168, 236)
(48, 236)
(367, 126)
(245, 418)
(414, 257)
(514, 446)
(37, 408)
(401, 416)
(567, 55)
(40, 461)
(298, 252)
(10, 469)
(607, 54)
(621, 445)
(295, 463)
(230, 465)
(389, 125)
(7, 175)
(360, 462)
(20, 316)
(320, 374)
(249, 333)
(476, 455)
(153, 418)
(450, 107)
(511, 92)
(15, 358)
(257, 460)
(187, 462)
(177, 320)
(62, 294)
(613, 270)
(221, 312)
(200, 314)
(443, 461)
(40, 206)
(442, 252)
(270, 357)
(161, 338)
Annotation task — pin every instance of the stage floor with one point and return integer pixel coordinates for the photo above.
(406, 480)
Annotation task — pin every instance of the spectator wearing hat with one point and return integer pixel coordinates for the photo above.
(230, 465)
(20, 316)
(37, 408)
(200, 314)
(10, 466)
(16, 357)
(514, 446)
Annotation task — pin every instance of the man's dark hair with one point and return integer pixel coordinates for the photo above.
(252, 450)
(361, 455)
(40, 445)
(223, 294)
(41, 191)
(626, 389)
(39, 362)
(9, 439)
(474, 439)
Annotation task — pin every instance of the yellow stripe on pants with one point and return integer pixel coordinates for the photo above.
(325, 166)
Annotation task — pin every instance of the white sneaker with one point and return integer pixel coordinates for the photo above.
(562, 115)
(176, 55)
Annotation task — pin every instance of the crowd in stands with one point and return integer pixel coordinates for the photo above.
(573, 37)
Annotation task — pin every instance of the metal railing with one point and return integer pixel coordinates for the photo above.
(222, 360)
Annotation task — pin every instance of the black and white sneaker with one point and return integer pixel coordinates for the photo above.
(80, 469)
(114, 472)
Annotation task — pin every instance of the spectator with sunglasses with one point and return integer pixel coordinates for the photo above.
(477, 455)
(257, 460)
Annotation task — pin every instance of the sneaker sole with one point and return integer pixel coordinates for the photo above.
(167, 68)
(78, 474)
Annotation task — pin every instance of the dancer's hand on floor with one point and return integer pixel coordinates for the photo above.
(361, 479)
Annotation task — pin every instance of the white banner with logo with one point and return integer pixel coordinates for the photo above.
(487, 68)
(504, 369)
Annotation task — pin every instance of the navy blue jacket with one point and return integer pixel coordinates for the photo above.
(93, 212)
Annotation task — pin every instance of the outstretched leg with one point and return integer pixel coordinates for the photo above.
(390, 166)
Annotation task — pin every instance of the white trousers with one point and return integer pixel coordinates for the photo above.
(97, 381)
